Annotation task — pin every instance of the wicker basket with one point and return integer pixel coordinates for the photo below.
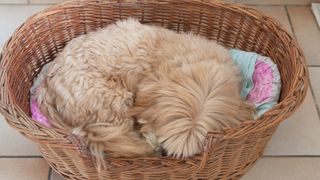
(227, 154)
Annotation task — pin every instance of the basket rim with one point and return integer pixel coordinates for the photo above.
(54, 137)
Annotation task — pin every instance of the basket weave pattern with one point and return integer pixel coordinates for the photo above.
(227, 154)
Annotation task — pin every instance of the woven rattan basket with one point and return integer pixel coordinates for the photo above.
(227, 154)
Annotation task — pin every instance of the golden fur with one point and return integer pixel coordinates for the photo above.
(193, 91)
(178, 87)
(180, 105)
(90, 87)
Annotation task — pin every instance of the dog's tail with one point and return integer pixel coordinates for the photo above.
(104, 141)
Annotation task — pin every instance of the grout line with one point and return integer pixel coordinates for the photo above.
(314, 98)
(310, 84)
(314, 17)
(291, 156)
(49, 173)
(16, 157)
(290, 22)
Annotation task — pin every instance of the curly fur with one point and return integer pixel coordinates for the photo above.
(178, 87)
(90, 87)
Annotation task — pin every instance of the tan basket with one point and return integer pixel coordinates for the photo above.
(227, 154)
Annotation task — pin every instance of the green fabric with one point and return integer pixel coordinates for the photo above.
(246, 62)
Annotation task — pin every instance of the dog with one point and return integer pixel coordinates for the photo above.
(175, 87)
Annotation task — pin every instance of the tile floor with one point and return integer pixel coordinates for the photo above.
(294, 150)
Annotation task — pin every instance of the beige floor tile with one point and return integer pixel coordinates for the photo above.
(46, 1)
(55, 176)
(285, 169)
(275, 2)
(13, 1)
(315, 82)
(13, 143)
(307, 32)
(23, 168)
(277, 12)
(299, 135)
(11, 16)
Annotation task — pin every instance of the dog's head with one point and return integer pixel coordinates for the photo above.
(182, 104)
